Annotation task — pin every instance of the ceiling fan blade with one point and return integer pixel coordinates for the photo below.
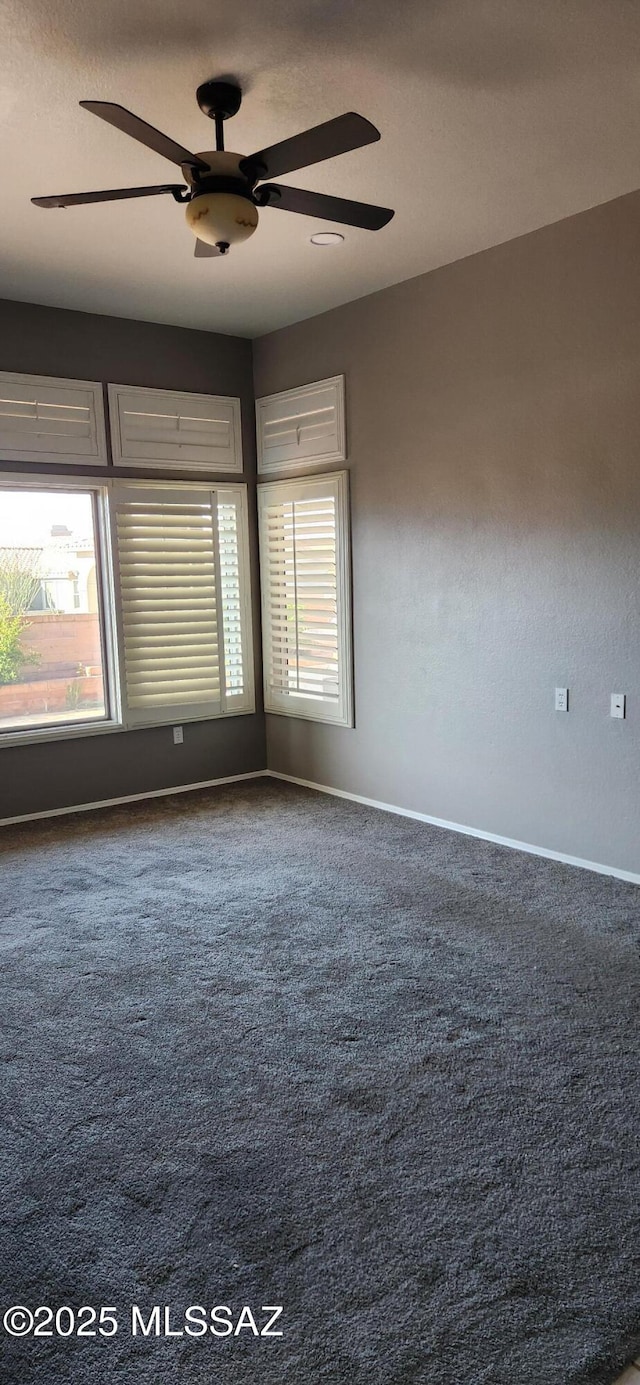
(337, 136)
(76, 199)
(145, 134)
(362, 214)
(203, 251)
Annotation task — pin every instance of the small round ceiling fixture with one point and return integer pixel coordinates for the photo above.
(327, 238)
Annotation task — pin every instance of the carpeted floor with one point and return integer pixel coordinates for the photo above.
(265, 1047)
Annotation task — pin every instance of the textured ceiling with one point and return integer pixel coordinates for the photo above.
(497, 116)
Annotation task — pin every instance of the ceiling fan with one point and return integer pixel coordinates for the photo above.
(225, 190)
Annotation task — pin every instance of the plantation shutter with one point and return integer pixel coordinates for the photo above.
(175, 595)
(45, 419)
(156, 428)
(299, 428)
(305, 574)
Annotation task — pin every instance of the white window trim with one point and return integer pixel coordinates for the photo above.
(118, 450)
(288, 704)
(117, 720)
(112, 721)
(24, 454)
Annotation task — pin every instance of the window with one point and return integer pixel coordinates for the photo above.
(305, 573)
(53, 652)
(122, 605)
(185, 620)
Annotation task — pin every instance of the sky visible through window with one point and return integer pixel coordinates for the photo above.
(26, 517)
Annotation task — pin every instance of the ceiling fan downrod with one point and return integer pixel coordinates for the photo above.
(220, 101)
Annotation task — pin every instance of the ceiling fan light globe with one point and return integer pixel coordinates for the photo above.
(221, 216)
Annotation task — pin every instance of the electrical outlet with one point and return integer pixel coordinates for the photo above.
(618, 705)
(178, 735)
(562, 699)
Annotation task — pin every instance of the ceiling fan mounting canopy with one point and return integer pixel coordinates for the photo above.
(219, 98)
(222, 197)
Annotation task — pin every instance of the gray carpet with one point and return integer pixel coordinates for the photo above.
(265, 1047)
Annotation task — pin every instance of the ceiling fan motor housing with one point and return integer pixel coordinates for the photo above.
(221, 210)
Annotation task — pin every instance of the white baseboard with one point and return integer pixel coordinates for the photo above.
(134, 797)
(629, 875)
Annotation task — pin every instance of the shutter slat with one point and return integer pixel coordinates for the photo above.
(160, 625)
(182, 603)
(180, 665)
(172, 547)
(167, 700)
(179, 641)
(140, 684)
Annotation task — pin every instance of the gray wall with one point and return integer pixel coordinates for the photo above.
(493, 414)
(51, 341)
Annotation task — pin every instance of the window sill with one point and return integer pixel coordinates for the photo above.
(104, 728)
(32, 735)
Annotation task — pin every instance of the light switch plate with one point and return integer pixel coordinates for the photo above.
(618, 704)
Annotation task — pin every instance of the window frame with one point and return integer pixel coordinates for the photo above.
(277, 702)
(116, 719)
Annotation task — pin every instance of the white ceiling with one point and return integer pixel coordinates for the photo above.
(497, 116)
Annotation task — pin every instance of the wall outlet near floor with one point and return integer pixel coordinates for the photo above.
(562, 699)
(618, 705)
(178, 735)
